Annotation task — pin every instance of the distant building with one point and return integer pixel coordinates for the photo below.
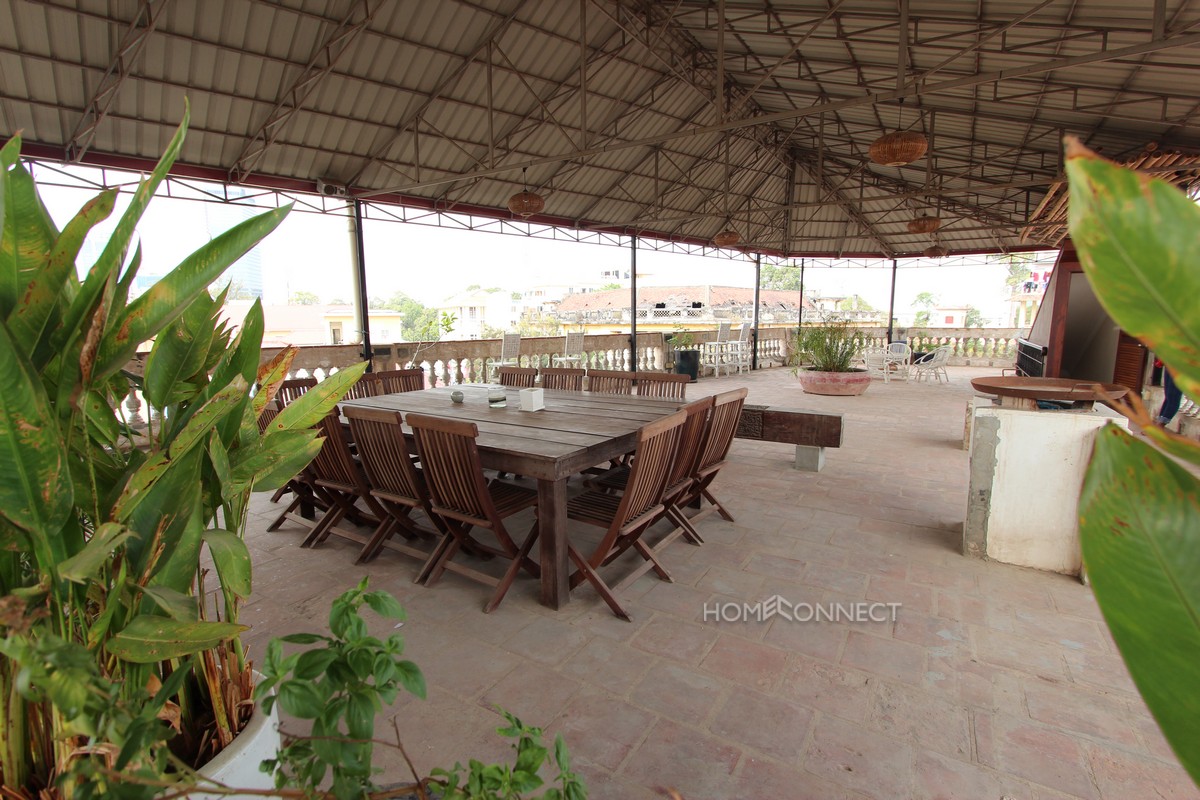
(1026, 297)
(662, 308)
(477, 308)
(948, 317)
(317, 324)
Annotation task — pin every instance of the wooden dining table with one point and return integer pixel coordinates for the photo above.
(574, 431)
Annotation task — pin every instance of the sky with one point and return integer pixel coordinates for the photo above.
(313, 253)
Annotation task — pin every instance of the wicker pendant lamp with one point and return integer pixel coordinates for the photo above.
(899, 147)
(936, 250)
(727, 238)
(924, 224)
(526, 203)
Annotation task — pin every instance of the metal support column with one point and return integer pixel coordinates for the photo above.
(757, 290)
(892, 304)
(800, 324)
(633, 303)
(360, 285)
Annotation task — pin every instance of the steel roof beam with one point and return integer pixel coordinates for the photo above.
(130, 47)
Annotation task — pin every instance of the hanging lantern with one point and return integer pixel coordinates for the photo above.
(924, 224)
(936, 251)
(727, 238)
(898, 148)
(526, 203)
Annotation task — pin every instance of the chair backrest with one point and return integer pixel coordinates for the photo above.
(723, 331)
(610, 381)
(563, 378)
(384, 454)
(269, 413)
(518, 377)
(293, 388)
(368, 385)
(899, 350)
(452, 470)
(744, 332)
(662, 384)
(691, 440)
(573, 346)
(396, 381)
(727, 409)
(656, 445)
(510, 347)
(334, 465)
(941, 356)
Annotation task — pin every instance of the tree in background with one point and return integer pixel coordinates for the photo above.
(785, 279)
(420, 322)
(1019, 267)
(536, 323)
(974, 318)
(924, 301)
(303, 299)
(855, 303)
(610, 286)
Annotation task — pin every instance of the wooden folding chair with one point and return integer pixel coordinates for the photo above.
(517, 377)
(396, 483)
(368, 385)
(464, 500)
(626, 518)
(291, 389)
(727, 409)
(662, 384)
(610, 381)
(570, 380)
(339, 479)
(300, 485)
(396, 381)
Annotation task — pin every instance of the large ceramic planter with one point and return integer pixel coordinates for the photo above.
(687, 362)
(836, 383)
(237, 765)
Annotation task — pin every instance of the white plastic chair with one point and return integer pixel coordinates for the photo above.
(510, 350)
(935, 366)
(712, 356)
(737, 351)
(898, 356)
(875, 360)
(572, 353)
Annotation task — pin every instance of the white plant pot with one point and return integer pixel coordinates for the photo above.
(237, 765)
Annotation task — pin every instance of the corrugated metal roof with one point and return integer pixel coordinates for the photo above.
(615, 116)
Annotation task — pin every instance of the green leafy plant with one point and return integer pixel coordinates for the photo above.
(1138, 239)
(682, 338)
(479, 781)
(829, 347)
(114, 671)
(341, 684)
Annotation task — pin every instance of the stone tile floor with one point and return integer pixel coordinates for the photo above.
(992, 682)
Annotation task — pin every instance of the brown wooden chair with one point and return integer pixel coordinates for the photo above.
(723, 422)
(291, 389)
(368, 385)
(299, 485)
(338, 479)
(396, 381)
(565, 378)
(625, 518)
(464, 500)
(662, 384)
(610, 382)
(516, 377)
(395, 482)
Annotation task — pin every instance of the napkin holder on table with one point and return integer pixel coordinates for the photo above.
(532, 400)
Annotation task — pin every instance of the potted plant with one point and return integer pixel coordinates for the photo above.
(687, 355)
(822, 358)
(120, 663)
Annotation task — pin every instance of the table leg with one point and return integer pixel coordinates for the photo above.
(552, 539)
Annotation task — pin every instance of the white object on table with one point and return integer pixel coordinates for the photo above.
(532, 400)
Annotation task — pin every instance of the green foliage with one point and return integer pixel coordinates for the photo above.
(340, 684)
(921, 320)
(682, 338)
(855, 303)
(103, 525)
(829, 347)
(609, 287)
(303, 299)
(780, 277)
(479, 781)
(420, 323)
(973, 318)
(1139, 512)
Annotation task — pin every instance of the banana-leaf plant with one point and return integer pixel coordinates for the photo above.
(113, 660)
(1138, 240)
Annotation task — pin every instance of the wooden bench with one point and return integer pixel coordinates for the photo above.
(810, 431)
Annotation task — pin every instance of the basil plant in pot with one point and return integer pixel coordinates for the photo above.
(120, 668)
(822, 357)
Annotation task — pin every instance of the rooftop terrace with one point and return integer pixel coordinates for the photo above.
(993, 682)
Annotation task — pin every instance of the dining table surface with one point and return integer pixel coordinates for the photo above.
(574, 431)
